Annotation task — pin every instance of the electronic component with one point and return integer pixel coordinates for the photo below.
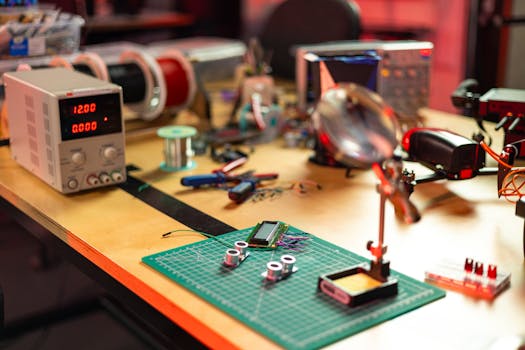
(267, 234)
(237, 255)
(470, 278)
(450, 155)
(504, 106)
(356, 286)
(507, 107)
(278, 270)
(66, 128)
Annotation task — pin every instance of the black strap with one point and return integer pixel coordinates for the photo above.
(180, 211)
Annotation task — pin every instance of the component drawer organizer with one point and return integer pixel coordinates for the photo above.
(291, 312)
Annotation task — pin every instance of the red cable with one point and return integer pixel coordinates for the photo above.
(177, 83)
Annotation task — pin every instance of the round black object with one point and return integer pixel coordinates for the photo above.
(300, 22)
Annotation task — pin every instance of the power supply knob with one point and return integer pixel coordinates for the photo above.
(72, 184)
(110, 153)
(78, 158)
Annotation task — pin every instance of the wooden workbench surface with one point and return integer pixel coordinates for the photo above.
(459, 219)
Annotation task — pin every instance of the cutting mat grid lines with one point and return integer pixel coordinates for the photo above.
(292, 312)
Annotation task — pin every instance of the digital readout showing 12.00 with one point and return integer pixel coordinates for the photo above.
(88, 116)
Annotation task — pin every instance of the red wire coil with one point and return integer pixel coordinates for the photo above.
(177, 81)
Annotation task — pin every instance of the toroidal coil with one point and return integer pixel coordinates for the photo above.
(179, 77)
(177, 147)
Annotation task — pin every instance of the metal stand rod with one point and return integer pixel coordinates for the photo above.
(382, 201)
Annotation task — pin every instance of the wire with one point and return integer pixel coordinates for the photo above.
(513, 184)
(208, 235)
(494, 155)
(296, 242)
(298, 186)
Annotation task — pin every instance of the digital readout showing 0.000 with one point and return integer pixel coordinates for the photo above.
(90, 116)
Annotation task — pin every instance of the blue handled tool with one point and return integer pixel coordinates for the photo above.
(204, 179)
(246, 188)
(246, 183)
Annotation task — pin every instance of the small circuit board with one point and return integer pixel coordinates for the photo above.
(470, 278)
(267, 234)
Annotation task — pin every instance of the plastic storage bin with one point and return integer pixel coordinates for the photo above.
(49, 33)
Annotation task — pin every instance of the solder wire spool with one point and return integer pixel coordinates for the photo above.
(177, 147)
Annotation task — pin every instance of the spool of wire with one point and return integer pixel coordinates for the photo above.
(145, 68)
(180, 80)
(177, 147)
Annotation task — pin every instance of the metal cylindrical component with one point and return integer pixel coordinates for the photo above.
(242, 247)
(288, 262)
(232, 257)
(273, 270)
(176, 152)
(177, 147)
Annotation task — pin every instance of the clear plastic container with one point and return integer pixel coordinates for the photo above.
(43, 32)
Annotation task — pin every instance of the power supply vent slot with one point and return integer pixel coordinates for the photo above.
(34, 160)
(29, 101)
(33, 145)
(31, 131)
(30, 116)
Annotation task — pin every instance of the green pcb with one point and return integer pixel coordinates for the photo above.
(291, 312)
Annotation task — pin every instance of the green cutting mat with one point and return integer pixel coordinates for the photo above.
(291, 312)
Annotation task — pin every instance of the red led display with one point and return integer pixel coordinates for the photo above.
(84, 127)
(88, 116)
(84, 108)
